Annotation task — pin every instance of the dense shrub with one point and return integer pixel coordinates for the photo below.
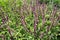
(29, 20)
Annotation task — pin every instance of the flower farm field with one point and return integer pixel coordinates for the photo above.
(29, 19)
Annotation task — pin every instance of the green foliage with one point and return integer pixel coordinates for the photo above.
(11, 8)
